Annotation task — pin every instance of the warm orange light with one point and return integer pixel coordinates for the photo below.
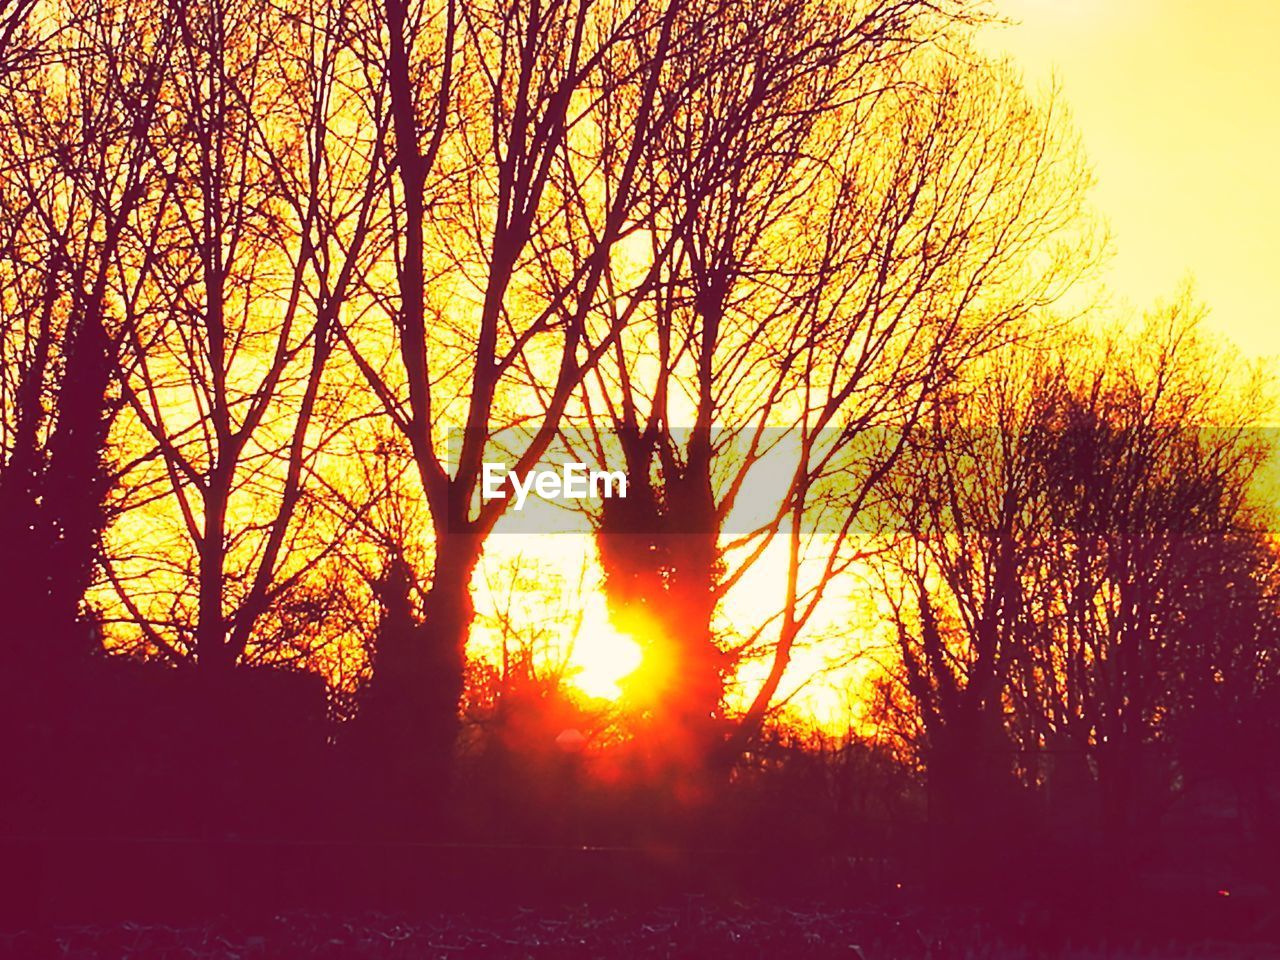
(603, 656)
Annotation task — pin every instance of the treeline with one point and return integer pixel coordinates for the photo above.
(259, 261)
(1084, 599)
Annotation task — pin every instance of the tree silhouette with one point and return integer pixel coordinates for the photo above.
(268, 225)
(812, 318)
(76, 178)
(1071, 523)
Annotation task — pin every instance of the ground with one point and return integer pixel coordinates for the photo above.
(691, 930)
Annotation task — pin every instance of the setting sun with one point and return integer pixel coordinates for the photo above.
(602, 656)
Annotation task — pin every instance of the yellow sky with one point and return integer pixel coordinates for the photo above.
(1178, 103)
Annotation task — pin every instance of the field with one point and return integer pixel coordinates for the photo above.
(694, 930)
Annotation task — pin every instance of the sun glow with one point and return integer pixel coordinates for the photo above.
(603, 656)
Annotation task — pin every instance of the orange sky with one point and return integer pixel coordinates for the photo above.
(1178, 103)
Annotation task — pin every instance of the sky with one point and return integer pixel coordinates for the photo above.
(1178, 105)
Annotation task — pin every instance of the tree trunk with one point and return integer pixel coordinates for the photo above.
(54, 514)
(410, 717)
(662, 565)
(970, 816)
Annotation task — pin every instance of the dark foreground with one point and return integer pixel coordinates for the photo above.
(694, 929)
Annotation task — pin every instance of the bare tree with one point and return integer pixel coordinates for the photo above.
(865, 234)
(270, 225)
(963, 583)
(498, 122)
(16, 29)
(1075, 531)
(736, 168)
(1149, 477)
(76, 179)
